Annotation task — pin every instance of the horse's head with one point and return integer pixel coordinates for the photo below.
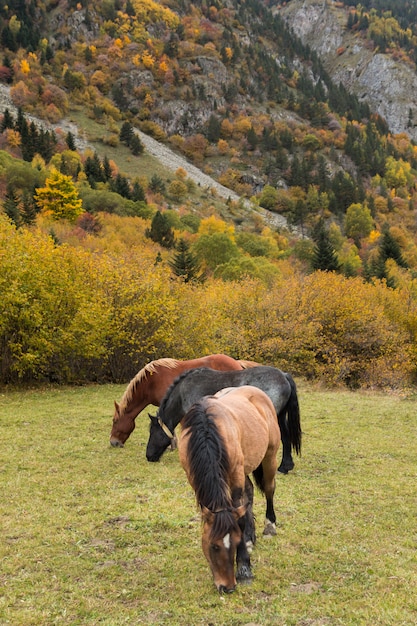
(160, 438)
(123, 426)
(220, 538)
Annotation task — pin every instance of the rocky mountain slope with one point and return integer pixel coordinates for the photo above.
(387, 84)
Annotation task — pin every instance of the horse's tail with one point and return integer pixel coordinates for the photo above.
(293, 414)
(258, 475)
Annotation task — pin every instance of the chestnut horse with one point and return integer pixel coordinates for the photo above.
(150, 384)
(224, 438)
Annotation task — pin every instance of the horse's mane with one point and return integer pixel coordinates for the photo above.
(247, 364)
(150, 368)
(209, 466)
(171, 388)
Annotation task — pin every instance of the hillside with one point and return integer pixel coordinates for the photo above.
(386, 79)
(302, 122)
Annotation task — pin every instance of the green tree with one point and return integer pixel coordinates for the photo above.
(324, 254)
(126, 133)
(138, 194)
(59, 198)
(161, 231)
(389, 248)
(269, 197)
(213, 129)
(28, 211)
(70, 141)
(358, 222)
(184, 263)
(12, 205)
(156, 184)
(215, 249)
(136, 146)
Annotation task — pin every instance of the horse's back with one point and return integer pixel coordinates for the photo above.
(219, 362)
(255, 420)
(202, 381)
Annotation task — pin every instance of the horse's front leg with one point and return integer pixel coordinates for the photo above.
(269, 468)
(243, 564)
(249, 533)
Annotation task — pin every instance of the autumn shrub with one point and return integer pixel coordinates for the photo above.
(243, 267)
(143, 311)
(325, 327)
(102, 305)
(51, 320)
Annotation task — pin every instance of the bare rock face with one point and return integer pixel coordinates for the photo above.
(389, 86)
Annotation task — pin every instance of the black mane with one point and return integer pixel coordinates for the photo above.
(209, 467)
(164, 401)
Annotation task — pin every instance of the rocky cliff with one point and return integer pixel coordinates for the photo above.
(388, 85)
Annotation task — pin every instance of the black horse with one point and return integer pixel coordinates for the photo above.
(191, 386)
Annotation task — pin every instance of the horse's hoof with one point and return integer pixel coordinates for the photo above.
(270, 529)
(284, 468)
(244, 574)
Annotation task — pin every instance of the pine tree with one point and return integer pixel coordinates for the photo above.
(28, 211)
(135, 145)
(161, 231)
(156, 184)
(184, 264)
(7, 122)
(11, 205)
(390, 249)
(138, 194)
(126, 133)
(108, 174)
(213, 129)
(324, 255)
(120, 185)
(70, 141)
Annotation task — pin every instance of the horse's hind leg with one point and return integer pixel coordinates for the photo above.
(269, 469)
(287, 463)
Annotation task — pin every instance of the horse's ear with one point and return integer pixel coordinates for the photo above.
(117, 407)
(240, 511)
(207, 515)
(152, 417)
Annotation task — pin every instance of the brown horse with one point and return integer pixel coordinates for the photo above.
(150, 384)
(223, 439)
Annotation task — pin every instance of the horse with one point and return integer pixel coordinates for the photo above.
(223, 439)
(150, 384)
(193, 385)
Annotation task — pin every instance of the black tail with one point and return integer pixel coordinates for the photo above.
(293, 413)
(258, 475)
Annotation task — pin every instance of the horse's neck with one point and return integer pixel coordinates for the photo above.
(174, 410)
(139, 399)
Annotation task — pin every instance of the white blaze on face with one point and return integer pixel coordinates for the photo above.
(226, 541)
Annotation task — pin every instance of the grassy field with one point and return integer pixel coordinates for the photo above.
(94, 535)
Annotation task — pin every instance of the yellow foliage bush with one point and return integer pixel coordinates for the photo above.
(100, 307)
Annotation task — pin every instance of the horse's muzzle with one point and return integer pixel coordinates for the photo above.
(115, 443)
(223, 589)
(152, 458)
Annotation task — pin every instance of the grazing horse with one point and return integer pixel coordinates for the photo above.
(191, 386)
(224, 438)
(149, 387)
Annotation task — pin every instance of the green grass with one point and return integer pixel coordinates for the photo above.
(95, 535)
